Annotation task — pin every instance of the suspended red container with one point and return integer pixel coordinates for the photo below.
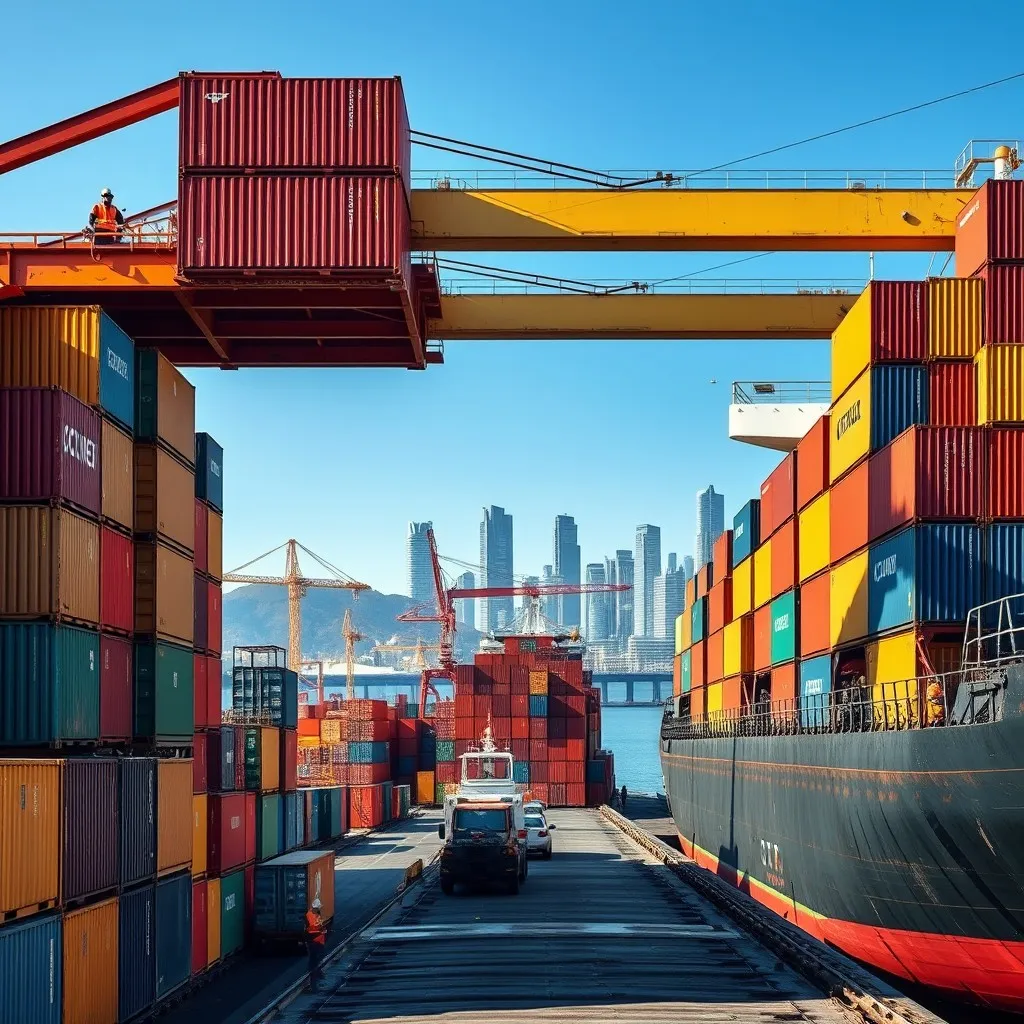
(117, 582)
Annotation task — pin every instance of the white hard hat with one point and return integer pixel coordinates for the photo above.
(106, 192)
(316, 904)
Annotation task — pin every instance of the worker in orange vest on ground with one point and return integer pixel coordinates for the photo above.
(106, 221)
(316, 942)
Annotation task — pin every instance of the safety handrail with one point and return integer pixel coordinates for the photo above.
(780, 392)
(994, 633)
(620, 286)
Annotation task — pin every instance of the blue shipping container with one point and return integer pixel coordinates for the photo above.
(446, 750)
(313, 803)
(267, 691)
(136, 966)
(117, 373)
(1004, 561)
(407, 766)
(31, 970)
(210, 471)
(815, 690)
(173, 933)
(136, 819)
(291, 836)
(368, 752)
(538, 705)
(521, 771)
(746, 532)
(927, 573)
(899, 399)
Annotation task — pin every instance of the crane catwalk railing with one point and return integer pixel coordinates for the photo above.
(485, 285)
(780, 392)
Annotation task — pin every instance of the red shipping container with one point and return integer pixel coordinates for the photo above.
(784, 684)
(501, 706)
(812, 464)
(952, 394)
(556, 771)
(762, 638)
(116, 688)
(228, 840)
(50, 450)
(117, 582)
(556, 794)
(501, 728)
(214, 686)
(289, 760)
(539, 791)
(538, 771)
(199, 763)
(575, 749)
(375, 731)
(575, 771)
(250, 819)
(538, 750)
(721, 562)
(715, 654)
(813, 609)
(446, 771)
(365, 806)
(463, 705)
(200, 698)
(538, 728)
(848, 514)
(200, 937)
(481, 707)
(719, 605)
(991, 227)
(784, 558)
(576, 727)
(214, 618)
(333, 227)
(926, 473)
(368, 774)
(576, 794)
(200, 614)
(201, 556)
(520, 705)
(698, 664)
(778, 496)
(521, 750)
(737, 692)
(1003, 308)
(556, 728)
(1005, 473)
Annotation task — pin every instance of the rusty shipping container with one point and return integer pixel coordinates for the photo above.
(50, 450)
(49, 565)
(812, 464)
(269, 123)
(287, 225)
(953, 394)
(1004, 304)
(215, 545)
(166, 406)
(117, 478)
(89, 843)
(163, 592)
(164, 502)
(174, 823)
(1004, 465)
(954, 317)
(29, 834)
(991, 227)
(91, 964)
(115, 688)
(117, 581)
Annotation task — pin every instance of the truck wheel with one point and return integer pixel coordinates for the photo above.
(447, 886)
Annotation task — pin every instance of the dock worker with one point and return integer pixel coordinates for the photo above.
(935, 706)
(622, 797)
(106, 221)
(316, 942)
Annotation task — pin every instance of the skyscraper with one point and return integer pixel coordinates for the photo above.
(496, 559)
(687, 567)
(596, 625)
(465, 606)
(670, 565)
(419, 573)
(646, 568)
(610, 577)
(567, 568)
(624, 598)
(669, 598)
(710, 524)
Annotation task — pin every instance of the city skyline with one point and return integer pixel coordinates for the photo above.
(419, 571)
(710, 524)
(496, 561)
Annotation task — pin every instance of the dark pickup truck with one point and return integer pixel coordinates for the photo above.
(483, 848)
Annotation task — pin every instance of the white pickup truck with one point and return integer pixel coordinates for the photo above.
(487, 774)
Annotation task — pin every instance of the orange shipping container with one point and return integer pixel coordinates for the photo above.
(705, 579)
(425, 788)
(213, 911)
(737, 693)
(29, 834)
(173, 814)
(198, 835)
(812, 463)
(784, 558)
(716, 656)
(164, 497)
(164, 592)
(270, 758)
(691, 591)
(848, 514)
(814, 606)
(90, 964)
(720, 605)
(697, 705)
(215, 544)
(50, 562)
(763, 638)
(309, 727)
(722, 560)
(699, 664)
(117, 501)
(784, 693)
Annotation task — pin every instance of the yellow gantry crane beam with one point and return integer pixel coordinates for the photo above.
(681, 219)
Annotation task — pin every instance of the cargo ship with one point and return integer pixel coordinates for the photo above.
(845, 734)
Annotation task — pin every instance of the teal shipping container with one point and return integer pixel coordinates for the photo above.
(31, 972)
(698, 618)
(746, 532)
(49, 684)
(164, 686)
(268, 817)
(815, 688)
(335, 799)
(784, 628)
(386, 790)
(232, 913)
(117, 373)
(685, 674)
(312, 815)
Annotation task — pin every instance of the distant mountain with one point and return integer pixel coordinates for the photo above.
(258, 614)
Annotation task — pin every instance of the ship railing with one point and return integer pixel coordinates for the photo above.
(994, 634)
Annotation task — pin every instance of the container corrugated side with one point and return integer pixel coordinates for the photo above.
(952, 394)
(814, 614)
(778, 496)
(1004, 303)
(137, 819)
(286, 887)
(989, 228)
(164, 692)
(117, 581)
(173, 933)
(31, 971)
(813, 538)
(210, 471)
(117, 498)
(746, 531)
(91, 963)
(1000, 384)
(29, 834)
(200, 614)
(116, 686)
(267, 837)
(199, 834)
(1004, 466)
(848, 600)
(137, 956)
(89, 844)
(232, 913)
(225, 832)
(763, 574)
(212, 921)
(215, 619)
(954, 317)
(784, 628)
(200, 926)
(165, 405)
(1004, 561)
(215, 545)
(163, 592)
(200, 556)
(174, 824)
(49, 565)
(164, 502)
(812, 463)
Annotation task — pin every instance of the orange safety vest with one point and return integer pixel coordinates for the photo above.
(106, 217)
(315, 927)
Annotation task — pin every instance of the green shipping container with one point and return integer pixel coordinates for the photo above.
(334, 797)
(439, 794)
(697, 616)
(164, 685)
(268, 835)
(684, 664)
(232, 913)
(49, 684)
(783, 616)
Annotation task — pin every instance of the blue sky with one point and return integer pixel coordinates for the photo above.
(615, 434)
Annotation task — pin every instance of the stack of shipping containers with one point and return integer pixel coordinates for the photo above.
(898, 512)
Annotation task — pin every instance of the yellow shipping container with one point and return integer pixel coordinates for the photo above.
(90, 964)
(680, 647)
(1000, 384)
(117, 481)
(56, 346)
(850, 425)
(848, 600)
(198, 835)
(425, 788)
(851, 345)
(762, 575)
(538, 681)
(713, 701)
(891, 674)
(212, 921)
(270, 758)
(173, 814)
(29, 834)
(738, 652)
(330, 730)
(215, 544)
(813, 537)
(684, 631)
(743, 587)
(954, 317)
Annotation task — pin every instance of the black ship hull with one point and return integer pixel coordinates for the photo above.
(903, 849)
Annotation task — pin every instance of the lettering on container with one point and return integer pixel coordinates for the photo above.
(79, 447)
(214, 469)
(174, 680)
(229, 902)
(216, 97)
(149, 928)
(235, 822)
(848, 419)
(883, 568)
(92, 661)
(814, 686)
(970, 212)
(117, 363)
(738, 532)
(781, 622)
(52, 970)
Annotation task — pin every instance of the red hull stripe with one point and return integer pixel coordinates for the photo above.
(979, 970)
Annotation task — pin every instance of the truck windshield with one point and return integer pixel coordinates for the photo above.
(481, 821)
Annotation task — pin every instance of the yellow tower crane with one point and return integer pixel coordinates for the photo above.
(352, 637)
(297, 585)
